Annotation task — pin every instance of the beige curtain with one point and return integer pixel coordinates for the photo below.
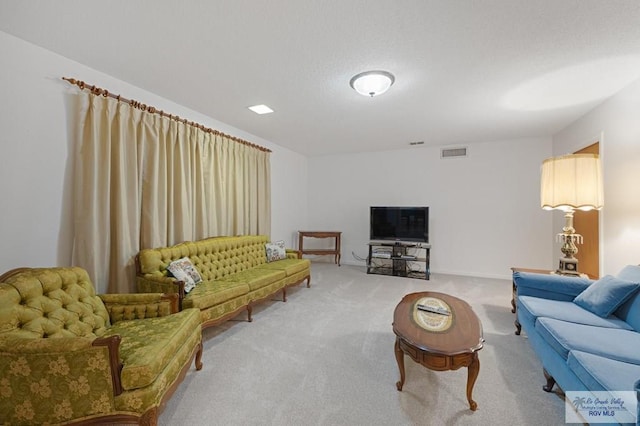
(142, 180)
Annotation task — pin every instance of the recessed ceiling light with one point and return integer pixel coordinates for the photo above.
(261, 109)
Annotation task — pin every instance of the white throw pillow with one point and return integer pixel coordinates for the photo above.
(275, 251)
(183, 270)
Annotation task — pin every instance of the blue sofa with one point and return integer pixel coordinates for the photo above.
(579, 349)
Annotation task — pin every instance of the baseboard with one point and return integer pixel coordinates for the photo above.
(506, 276)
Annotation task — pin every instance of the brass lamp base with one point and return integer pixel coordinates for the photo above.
(568, 266)
(568, 263)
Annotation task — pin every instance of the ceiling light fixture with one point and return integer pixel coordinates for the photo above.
(261, 109)
(372, 83)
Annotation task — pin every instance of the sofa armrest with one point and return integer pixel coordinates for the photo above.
(161, 284)
(549, 286)
(293, 254)
(139, 305)
(112, 344)
(34, 370)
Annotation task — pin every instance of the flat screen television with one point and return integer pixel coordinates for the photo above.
(399, 224)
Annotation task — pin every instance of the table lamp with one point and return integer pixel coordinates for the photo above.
(569, 183)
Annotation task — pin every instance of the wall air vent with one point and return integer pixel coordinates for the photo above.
(453, 152)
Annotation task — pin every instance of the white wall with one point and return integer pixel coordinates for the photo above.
(485, 214)
(34, 165)
(616, 123)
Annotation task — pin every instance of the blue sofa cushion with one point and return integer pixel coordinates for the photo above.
(630, 312)
(604, 296)
(603, 374)
(534, 307)
(614, 343)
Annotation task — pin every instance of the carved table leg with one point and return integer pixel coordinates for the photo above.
(550, 381)
(473, 370)
(400, 360)
(518, 327)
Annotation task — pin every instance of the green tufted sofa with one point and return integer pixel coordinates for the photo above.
(68, 355)
(235, 273)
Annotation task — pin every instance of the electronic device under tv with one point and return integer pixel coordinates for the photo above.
(409, 224)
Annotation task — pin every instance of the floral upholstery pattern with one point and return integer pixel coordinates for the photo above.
(257, 278)
(54, 365)
(143, 399)
(44, 386)
(234, 270)
(210, 293)
(289, 266)
(148, 345)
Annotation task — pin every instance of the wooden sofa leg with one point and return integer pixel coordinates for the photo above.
(249, 319)
(284, 294)
(550, 381)
(199, 357)
(309, 281)
(150, 417)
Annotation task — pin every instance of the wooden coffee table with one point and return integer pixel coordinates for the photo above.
(438, 342)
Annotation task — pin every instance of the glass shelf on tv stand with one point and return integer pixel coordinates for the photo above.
(398, 262)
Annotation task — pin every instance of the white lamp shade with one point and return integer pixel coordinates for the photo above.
(572, 182)
(372, 83)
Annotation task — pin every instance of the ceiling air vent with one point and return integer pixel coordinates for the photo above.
(453, 152)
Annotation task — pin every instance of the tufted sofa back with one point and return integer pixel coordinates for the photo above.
(50, 302)
(214, 258)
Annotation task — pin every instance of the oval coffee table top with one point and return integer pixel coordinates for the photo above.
(457, 333)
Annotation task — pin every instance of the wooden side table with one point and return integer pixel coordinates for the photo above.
(335, 251)
(514, 292)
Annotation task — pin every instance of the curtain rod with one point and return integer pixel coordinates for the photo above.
(153, 110)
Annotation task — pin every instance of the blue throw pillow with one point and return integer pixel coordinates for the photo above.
(604, 296)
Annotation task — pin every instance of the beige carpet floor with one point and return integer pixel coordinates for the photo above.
(325, 357)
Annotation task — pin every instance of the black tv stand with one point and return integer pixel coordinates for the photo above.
(400, 259)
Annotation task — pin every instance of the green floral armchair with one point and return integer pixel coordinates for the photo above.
(68, 355)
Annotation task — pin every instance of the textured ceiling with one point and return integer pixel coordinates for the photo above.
(466, 70)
